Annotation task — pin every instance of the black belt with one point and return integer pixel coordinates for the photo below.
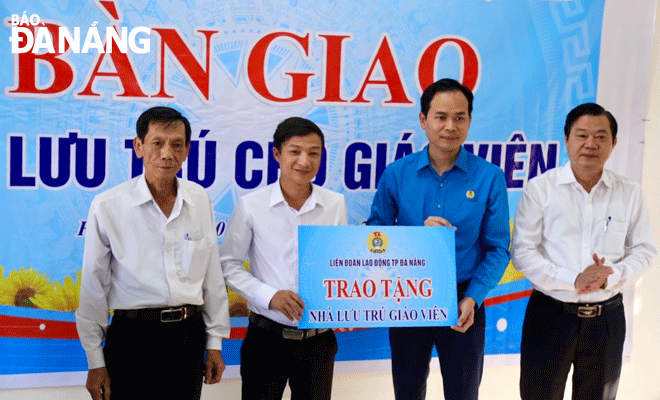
(583, 310)
(285, 331)
(168, 314)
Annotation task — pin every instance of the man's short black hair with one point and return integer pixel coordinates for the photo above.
(295, 126)
(445, 85)
(592, 109)
(161, 115)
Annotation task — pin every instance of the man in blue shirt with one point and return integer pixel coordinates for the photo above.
(444, 185)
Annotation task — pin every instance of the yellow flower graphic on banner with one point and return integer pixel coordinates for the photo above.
(63, 297)
(511, 274)
(20, 285)
(237, 304)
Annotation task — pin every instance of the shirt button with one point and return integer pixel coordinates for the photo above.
(442, 184)
(439, 206)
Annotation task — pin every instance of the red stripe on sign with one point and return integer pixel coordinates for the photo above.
(32, 328)
(237, 333)
(507, 297)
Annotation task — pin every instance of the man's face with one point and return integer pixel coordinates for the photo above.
(447, 122)
(589, 143)
(163, 152)
(300, 158)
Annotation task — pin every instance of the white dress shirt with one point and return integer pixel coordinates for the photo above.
(558, 227)
(265, 227)
(135, 257)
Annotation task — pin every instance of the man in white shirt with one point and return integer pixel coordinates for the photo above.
(151, 255)
(264, 225)
(582, 234)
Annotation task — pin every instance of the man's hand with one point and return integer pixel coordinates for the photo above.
(465, 314)
(98, 383)
(437, 221)
(288, 303)
(594, 277)
(215, 366)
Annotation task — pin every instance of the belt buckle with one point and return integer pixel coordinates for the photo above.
(293, 334)
(173, 314)
(589, 311)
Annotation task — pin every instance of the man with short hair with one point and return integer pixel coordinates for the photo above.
(445, 185)
(582, 234)
(264, 225)
(151, 255)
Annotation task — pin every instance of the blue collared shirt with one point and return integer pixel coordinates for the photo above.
(471, 195)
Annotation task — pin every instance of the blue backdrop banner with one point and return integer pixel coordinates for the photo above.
(76, 75)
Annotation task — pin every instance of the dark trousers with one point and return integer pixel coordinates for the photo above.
(553, 339)
(155, 360)
(268, 361)
(461, 357)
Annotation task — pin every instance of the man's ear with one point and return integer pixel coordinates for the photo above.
(137, 146)
(276, 154)
(422, 120)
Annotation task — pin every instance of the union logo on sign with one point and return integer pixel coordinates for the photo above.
(377, 242)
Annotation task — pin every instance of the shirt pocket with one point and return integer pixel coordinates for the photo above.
(615, 238)
(196, 254)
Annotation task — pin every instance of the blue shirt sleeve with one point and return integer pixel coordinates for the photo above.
(495, 239)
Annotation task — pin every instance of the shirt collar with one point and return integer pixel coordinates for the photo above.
(606, 178)
(141, 193)
(461, 163)
(567, 176)
(183, 193)
(277, 197)
(462, 160)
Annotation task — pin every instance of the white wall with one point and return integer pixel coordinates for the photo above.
(640, 379)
